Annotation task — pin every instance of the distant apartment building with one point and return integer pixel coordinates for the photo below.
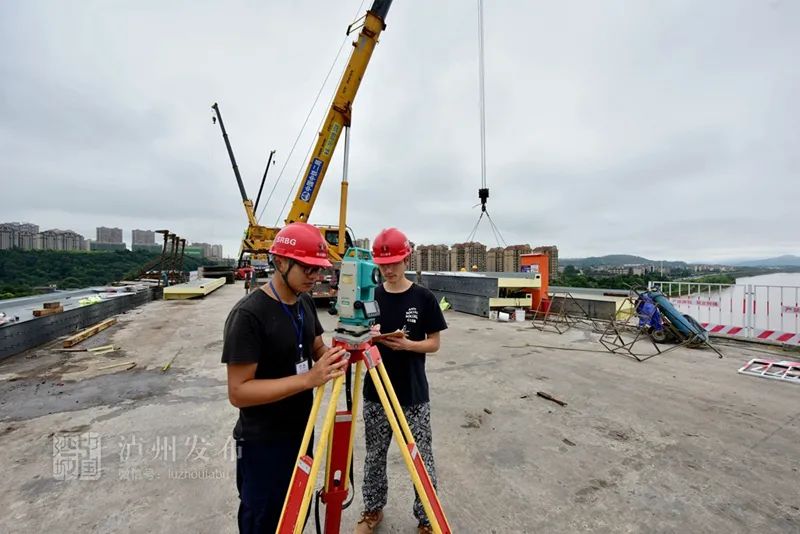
(56, 239)
(8, 238)
(494, 260)
(362, 243)
(216, 252)
(511, 257)
(18, 235)
(413, 258)
(145, 240)
(432, 257)
(27, 236)
(109, 235)
(143, 237)
(468, 256)
(552, 258)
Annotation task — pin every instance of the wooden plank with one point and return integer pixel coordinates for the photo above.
(89, 332)
(49, 305)
(102, 348)
(47, 311)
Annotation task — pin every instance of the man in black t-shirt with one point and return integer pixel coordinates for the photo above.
(271, 338)
(413, 309)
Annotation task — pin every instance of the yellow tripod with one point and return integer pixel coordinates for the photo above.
(337, 436)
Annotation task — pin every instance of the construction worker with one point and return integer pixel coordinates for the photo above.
(413, 309)
(271, 337)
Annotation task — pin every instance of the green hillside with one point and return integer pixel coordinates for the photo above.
(23, 270)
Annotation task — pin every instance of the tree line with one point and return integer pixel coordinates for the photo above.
(23, 270)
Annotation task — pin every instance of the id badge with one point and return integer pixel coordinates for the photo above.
(301, 367)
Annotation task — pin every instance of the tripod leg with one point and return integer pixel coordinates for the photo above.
(319, 393)
(408, 449)
(340, 457)
(298, 499)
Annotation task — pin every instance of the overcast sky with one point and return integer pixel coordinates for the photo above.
(666, 129)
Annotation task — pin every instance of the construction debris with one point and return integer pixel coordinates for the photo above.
(89, 332)
(549, 397)
(128, 366)
(785, 370)
(559, 314)
(102, 348)
(654, 320)
(169, 363)
(48, 308)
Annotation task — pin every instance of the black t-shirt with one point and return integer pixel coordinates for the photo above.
(417, 310)
(258, 330)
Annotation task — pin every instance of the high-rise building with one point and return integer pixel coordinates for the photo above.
(494, 260)
(216, 252)
(18, 235)
(468, 256)
(109, 235)
(28, 237)
(8, 238)
(511, 256)
(552, 258)
(56, 239)
(143, 237)
(362, 243)
(413, 258)
(433, 257)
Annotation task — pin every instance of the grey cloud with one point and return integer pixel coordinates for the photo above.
(668, 130)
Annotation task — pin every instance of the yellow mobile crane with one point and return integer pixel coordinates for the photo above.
(258, 238)
(338, 118)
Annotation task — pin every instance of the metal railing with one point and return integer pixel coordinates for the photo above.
(762, 312)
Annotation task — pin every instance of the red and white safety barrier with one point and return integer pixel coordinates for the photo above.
(788, 338)
(771, 336)
(741, 311)
(725, 330)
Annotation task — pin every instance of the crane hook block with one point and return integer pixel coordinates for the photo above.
(483, 194)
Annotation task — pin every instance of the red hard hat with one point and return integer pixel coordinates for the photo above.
(390, 246)
(301, 242)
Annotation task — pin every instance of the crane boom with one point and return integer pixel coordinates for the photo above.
(339, 113)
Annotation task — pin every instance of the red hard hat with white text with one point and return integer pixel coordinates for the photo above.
(301, 242)
(390, 246)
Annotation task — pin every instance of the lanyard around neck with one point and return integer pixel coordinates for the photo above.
(298, 325)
